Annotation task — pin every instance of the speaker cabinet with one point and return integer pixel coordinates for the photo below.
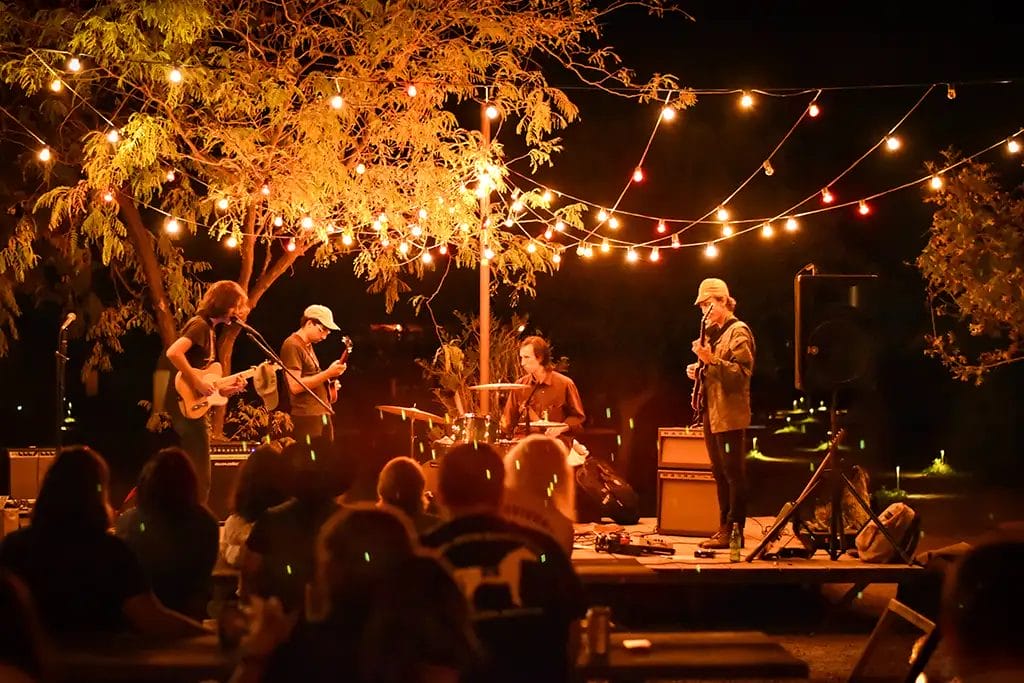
(682, 448)
(687, 503)
(27, 467)
(226, 461)
(835, 334)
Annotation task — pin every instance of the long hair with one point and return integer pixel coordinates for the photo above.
(168, 483)
(74, 495)
(265, 480)
(221, 297)
(538, 466)
(541, 349)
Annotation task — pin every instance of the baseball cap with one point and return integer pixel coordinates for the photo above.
(712, 287)
(322, 315)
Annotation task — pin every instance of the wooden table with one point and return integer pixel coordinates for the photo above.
(133, 658)
(726, 655)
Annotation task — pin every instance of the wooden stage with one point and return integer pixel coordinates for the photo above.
(682, 568)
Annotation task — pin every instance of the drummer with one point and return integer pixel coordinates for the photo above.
(546, 396)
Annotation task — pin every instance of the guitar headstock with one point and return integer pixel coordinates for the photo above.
(347, 341)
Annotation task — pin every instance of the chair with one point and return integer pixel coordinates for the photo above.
(899, 646)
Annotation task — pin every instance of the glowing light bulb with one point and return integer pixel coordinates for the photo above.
(231, 242)
(1012, 145)
(170, 176)
(655, 255)
(403, 247)
(613, 222)
(631, 255)
(950, 92)
(113, 136)
(767, 230)
(422, 213)
(360, 168)
(722, 214)
(602, 215)
(222, 203)
(488, 253)
(746, 100)
(491, 111)
(711, 251)
(935, 183)
(727, 230)
(384, 241)
(109, 197)
(517, 206)
(56, 85)
(172, 227)
(893, 143)
(411, 90)
(426, 257)
(531, 248)
(346, 239)
(605, 246)
(291, 244)
(768, 168)
(416, 231)
(862, 208)
(668, 113)
(74, 64)
(509, 222)
(174, 76)
(265, 190)
(548, 234)
(556, 258)
(337, 102)
(559, 226)
(306, 222)
(675, 241)
(443, 249)
(45, 154)
(827, 197)
(813, 110)
(548, 196)
(638, 175)
(791, 224)
(278, 221)
(661, 227)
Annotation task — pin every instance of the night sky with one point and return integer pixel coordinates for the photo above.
(626, 328)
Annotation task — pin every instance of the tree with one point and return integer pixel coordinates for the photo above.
(973, 272)
(316, 129)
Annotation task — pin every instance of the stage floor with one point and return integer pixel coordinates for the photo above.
(683, 568)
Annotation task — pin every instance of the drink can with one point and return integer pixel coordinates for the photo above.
(599, 620)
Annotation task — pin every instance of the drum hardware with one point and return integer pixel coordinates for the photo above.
(497, 386)
(413, 415)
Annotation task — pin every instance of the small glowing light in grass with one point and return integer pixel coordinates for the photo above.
(531, 247)
(411, 90)
(278, 221)
(265, 190)
(346, 239)
(488, 253)
(935, 182)
(108, 197)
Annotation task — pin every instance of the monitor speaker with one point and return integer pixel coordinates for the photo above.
(687, 503)
(26, 468)
(682, 448)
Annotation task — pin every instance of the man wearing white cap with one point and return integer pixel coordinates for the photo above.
(309, 418)
(725, 362)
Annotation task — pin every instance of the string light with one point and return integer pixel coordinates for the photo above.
(56, 85)
(559, 226)
(791, 224)
(426, 257)
(1012, 145)
(827, 197)
(422, 213)
(346, 239)
(602, 216)
(108, 197)
(411, 90)
(174, 75)
(950, 91)
(530, 247)
(655, 255)
(265, 190)
(547, 197)
(675, 242)
(360, 168)
(893, 143)
(613, 222)
(306, 223)
(605, 246)
(767, 230)
(403, 247)
(727, 230)
(337, 102)
(668, 113)
(722, 213)
(278, 221)
(488, 253)
(443, 249)
(222, 203)
(813, 110)
(638, 175)
(935, 182)
(415, 231)
(548, 234)
(631, 255)
(291, 244)
(862, 208)
(661, 228)
(172, 227)
(113, 136)
(491, 111)
(45, 154)
(231, 242)
(556, 258)
(74, 65)
(170, 176)
(768, 168)
(746, 100)
(711, 251)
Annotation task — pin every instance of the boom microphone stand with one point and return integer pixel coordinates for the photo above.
(62, 362)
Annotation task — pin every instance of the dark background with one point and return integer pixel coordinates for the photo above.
(626, 328)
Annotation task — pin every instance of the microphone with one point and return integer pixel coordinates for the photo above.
(67, 321)
(235, 320)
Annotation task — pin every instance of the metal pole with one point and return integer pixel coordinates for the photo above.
(485, 279)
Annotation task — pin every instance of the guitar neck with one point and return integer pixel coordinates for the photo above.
(230, 379)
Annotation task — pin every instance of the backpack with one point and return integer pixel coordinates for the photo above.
(610, 494)
(902, 523)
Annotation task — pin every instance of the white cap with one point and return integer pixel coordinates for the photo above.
(712, 287)
(322, 315)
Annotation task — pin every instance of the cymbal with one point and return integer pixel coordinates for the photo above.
(546, 423)
(497, 386)
(411, 413)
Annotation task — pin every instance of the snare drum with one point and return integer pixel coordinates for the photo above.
(470, 428)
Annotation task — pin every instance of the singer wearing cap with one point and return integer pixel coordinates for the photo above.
(309, 418)
(192, 352)
(725, 362)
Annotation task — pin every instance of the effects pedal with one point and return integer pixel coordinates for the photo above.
(622, 544)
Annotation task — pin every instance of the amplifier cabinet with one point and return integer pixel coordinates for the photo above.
(682, 448)
(226, 461)
(27, 467)
(687, 503)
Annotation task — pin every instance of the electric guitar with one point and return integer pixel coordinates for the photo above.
(194, 405)
(697, 397)
(335, 384)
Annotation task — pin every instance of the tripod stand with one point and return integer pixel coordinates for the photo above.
(838, 480)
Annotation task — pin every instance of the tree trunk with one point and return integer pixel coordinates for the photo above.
(142, 242)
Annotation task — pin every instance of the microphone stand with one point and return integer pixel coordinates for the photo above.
(62, 362)
(262, 344)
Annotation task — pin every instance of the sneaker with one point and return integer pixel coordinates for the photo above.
(718, 541)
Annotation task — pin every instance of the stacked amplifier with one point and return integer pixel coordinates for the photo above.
(28, 467)
(687, 498)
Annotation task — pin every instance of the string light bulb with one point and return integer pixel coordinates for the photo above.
(548, 196)
(950, 92)
(443, 249)
(56, 85)
(638, 175)
(768, 168)
(935, 182)
(491, 112)
(862, 208)
(791, 224)
(170, 176)
(337, 102)
(559, 226)
(602, 216)
(231, 242)
(174, 75)
(291, 244)
(411, 90)
(893, 143)
(278, 221)
(74, 65)
(346, 239)
(531, 247)
(675, 242)
(613, 222)
(605, 246)
(722, 213)
(403, 247)
(306, 223)
(661, 228)
(548, 234)
(265, 190)
(813, 110)
(488, 253)
(556, 258)
(416, 231)
(1012, 145)
(108, 197)
(45, 154)
(222, 203)
(711, 250)
(360, 168)
(767, 230)
(655, 255)
(827, 197)
(426, 257)
(746, 100)
(727, 230)
(631, 255)
(172, 227)
(113, 136)
(668, 113)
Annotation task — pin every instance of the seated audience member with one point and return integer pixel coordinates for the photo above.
(982, 603)
(401, 485)
(263, 482)
(175, 537)
(277, 559)
(24, 649)
(386, 614)
(540, 490)
(83, 578)
(524, 595)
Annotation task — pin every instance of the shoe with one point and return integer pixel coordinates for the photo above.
(718, 541)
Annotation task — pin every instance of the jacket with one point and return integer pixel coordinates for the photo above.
(727, 379)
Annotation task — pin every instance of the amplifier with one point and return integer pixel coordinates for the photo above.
(225, 463)
(687, 503)
(682, 448)
(27, 468)
(231, 450)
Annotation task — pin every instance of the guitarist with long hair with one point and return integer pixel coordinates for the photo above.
(191, 353)
(725, 362)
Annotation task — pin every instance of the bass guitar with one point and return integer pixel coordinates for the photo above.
(194, 405)
(697, 397)
(335, 384)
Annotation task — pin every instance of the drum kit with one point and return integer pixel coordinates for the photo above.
(468, 428)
